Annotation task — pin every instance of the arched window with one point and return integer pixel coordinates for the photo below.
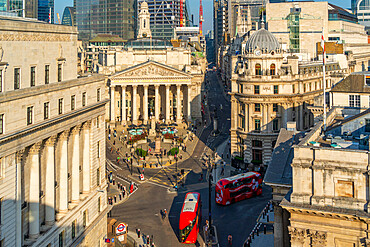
(144, 24)
(258, 69)
(272, 69)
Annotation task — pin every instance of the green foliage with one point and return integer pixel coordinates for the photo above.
(141, 152)
(173, 151)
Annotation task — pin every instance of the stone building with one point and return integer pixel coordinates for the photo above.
(52, 139)
(267, 91)
(151, 78)
(328, 205)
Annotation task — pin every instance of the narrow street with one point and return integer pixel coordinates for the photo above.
(142, 209)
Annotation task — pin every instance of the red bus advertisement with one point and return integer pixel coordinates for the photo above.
(238, 187)
(190, 218)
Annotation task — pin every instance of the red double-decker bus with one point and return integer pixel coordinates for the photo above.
(238, 187)
(190, 218)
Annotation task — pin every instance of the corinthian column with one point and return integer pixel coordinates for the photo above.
(50, 182)
(63, 174)
(112, 104)
(145, 105)
(75, 173)
(34, 202)
(178, 101)
(86, 159)
(167, 103)
(123, 104)
(156, 102)
(134, 105)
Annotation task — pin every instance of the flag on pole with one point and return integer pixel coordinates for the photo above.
(323, 46)
(50, 15)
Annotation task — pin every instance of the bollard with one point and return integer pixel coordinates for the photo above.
(264, 229)
(120, 197)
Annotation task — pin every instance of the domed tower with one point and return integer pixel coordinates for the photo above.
(144, 21)
(266, 94)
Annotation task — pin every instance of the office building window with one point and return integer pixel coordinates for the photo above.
(61, 239)
(257, 124)
(1, 80)
(256, 89)
(46, 110)
(84, 218)
(354, 101)
(275, 107)
(1, 124)
(272, 69)
(275, 124)
(258, 69)
(17, 78)
(276, 89)
(99, 202)
(98, 94)
(257, 107)
(59, 72)
(73, 102)
(98, 176)
(29, 115)
(293, 88)
(33, 76)
(98, 150)
(367, 126)
(84, 99)
(73, 229)
(47, 74)
(60, 106)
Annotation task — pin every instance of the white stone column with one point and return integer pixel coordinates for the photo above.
(123, 104)
(75, 173)
(300, 118)
(112, 104)
(189, 103)
(246, 118)
(156, 102)
(134, 104)
(18, 199)
(145, 105)
(250, 119)
(86, 159)
(284, 109)
(178, 104)
(63, 175)
(168, 103)
(34, 200)
(50, 182)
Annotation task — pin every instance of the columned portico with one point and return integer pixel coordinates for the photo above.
(157, 85)
(50, 181)
(34, 201)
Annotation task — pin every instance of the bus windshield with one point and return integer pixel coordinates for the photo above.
(184, 233)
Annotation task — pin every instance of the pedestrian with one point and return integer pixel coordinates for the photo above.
(114, 143)
(147, 239)
(143, 169)
(165, 213)
(138, 233)
(222, 171)
(162, 214)
(230, 240)
(109, 136)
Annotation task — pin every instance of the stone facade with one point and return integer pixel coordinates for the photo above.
(267, 91)
(52, 139)
(328, 205)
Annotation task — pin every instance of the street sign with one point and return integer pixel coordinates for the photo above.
(141, 177)
(121, 228)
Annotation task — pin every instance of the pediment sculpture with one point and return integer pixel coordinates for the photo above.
(150, 70)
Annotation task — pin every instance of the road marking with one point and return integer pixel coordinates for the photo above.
(160, 185)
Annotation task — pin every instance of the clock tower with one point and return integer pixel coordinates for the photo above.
(144, 22)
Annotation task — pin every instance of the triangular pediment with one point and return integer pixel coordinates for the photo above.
(150, 69)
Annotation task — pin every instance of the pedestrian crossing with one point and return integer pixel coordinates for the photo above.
(167, 176)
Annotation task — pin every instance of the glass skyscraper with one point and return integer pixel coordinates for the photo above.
(69, 17)
(38, 9)
(362, 10)
(43, 10)
(105, 16)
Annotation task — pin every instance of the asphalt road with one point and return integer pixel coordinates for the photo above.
(142, 209)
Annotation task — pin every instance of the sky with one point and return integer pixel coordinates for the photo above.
(194, 9)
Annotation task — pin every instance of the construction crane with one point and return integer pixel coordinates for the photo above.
(58, 18)
(201, 18)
